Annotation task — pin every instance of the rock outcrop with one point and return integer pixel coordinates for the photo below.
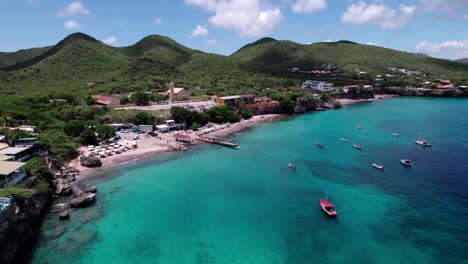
(83, 201)
(18, 232)
(65, 215)
(90, 161)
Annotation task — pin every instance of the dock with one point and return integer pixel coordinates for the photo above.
(219, 142)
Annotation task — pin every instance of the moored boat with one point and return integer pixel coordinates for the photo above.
(327, 207)
(358, 127)
(377, 166)
(357, 146)
(318, 145)
(292, 166)
(406, 162)
(423, 143)
(344, 139)
(395, 134)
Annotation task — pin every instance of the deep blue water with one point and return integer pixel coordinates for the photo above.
(218, 205)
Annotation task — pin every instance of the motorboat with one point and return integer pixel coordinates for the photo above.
(406, 162)
(377, 166)
(358, 127)
(344, 139)
(318, 145)
(395, 134)
(423, 143)
(292, 166)
(357, 146)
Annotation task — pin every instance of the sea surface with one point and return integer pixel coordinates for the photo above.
(219, 205)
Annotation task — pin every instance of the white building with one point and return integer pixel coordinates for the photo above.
(317, 85)
(29, 129)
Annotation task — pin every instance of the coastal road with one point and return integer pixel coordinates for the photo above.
(200, 104)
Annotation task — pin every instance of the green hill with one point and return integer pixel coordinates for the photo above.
(277, 56)
(12, 58)
(82, 65)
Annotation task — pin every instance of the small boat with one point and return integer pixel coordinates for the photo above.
(327, 207)
(358, 127)
(377, 166)
(357, 146)
(406, 162)
(292, 166)
(423, 143)
(395, 134)
(318, 145)
(344, 139)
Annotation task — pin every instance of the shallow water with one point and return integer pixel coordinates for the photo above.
(219, 205)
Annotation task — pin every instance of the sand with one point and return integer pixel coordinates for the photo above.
(355, 101)
(148, 145)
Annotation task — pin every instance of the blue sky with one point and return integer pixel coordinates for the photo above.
(435, 27)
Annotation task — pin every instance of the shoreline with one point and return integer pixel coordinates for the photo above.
(357, 101)
(164, 143)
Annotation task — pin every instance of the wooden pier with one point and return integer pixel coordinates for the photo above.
(219, 142)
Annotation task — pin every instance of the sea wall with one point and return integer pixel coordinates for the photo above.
(17, 234)
(403, 91)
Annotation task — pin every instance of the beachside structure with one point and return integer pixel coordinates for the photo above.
(11, 172)
(146, 128)
(317, 86)
(264, 105)
(23, 153)
(170, 125)
(106, 100)
(235, 100)
(354, 87)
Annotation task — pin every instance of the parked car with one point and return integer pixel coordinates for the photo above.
(136, 137)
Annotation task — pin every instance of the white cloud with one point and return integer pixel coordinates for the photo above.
(253, 18)
(379, 14)
(157, 20)
(215, 44)
(308, 6)
(110, 40)
(451, 8)
(75, 8)
(453, 49)
(72, 24)
(199, 31)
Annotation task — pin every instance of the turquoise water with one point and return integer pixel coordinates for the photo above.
(218, 205)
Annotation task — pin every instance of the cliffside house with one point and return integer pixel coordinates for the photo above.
(7, 208)
(11, 172)
(19, 153)
(106, 100)
(348, 88)
(180, 94)
(317, 86)
(29, 129)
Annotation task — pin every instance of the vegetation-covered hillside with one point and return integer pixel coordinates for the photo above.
(82, 65)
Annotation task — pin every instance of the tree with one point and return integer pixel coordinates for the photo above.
(222, 114)
(246, 113)
(88, 137)
(195, 126)
(143, 118)
(140, 98)
(105, 132)
(180, 114)
(89, 100)
(124, 100)
(74, 128)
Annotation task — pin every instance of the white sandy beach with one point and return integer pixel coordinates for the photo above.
(148, 145)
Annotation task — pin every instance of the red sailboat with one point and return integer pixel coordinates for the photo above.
(327, 207)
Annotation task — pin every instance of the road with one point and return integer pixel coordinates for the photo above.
(206, 104)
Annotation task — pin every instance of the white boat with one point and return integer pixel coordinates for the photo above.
(395, 134)
(377, 166)
(344, 139)
(406, 162)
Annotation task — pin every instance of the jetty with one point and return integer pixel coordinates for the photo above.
(218, 142)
